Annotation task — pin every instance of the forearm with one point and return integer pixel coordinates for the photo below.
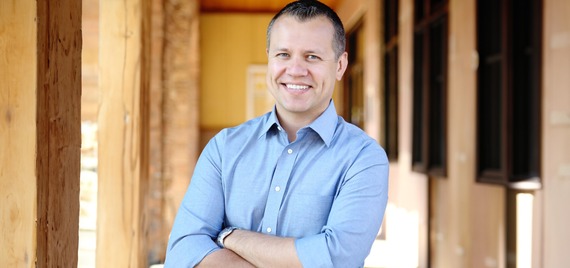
(224, 258)
(263, 250)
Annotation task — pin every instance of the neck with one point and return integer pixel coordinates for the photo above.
(291, 129)
(292, 122)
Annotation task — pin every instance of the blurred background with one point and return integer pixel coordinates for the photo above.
(470, 99)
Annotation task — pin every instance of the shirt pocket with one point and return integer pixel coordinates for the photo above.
(304, 214)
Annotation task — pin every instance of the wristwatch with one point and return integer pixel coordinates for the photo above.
(223, 234)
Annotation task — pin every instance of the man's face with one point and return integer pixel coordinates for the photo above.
(302, 66)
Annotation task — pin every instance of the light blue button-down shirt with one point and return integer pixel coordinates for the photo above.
(328, 189)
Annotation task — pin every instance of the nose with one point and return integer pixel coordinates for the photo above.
(297, 67)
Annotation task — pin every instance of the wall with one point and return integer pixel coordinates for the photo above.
(229, 44)
(555, 135)
(406, 215)
(468, 218)
(411, 188)
(90, 61)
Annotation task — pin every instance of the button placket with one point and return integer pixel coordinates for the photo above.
(275, 197)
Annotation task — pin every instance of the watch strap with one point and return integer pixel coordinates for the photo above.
(223, 234)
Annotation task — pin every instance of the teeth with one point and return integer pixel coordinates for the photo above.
(298, 87)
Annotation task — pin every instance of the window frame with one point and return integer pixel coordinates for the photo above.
(429, 134)
(509, 135)
(353, 81)
(391, 86)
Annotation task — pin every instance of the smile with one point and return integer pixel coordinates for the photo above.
(296, 87)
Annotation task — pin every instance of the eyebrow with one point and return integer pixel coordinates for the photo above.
(309, 51)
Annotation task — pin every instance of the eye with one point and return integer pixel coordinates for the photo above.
(282, 55)
(313, 58)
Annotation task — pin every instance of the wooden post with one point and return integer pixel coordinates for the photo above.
(156, 234)
(181, 102)
(123, 133)
(18, 180)
(40, 132)
(174, 115)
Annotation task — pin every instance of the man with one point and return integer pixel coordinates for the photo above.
(297, 187)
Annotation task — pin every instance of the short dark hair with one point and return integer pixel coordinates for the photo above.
(304, 10)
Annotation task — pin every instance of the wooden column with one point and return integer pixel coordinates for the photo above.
(123, 133)
(40, 133)
(181, 102)
(156, 236)
(173, 120)
(18, 179)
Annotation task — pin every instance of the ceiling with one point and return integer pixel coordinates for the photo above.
(249, 5)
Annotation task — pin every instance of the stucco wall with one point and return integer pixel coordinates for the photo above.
(556, 133)
(229, 44)
(468, 219)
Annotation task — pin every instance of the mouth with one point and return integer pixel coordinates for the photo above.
(296, 87)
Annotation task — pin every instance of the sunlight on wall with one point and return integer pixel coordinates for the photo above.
(88, 196)
(524, 230)
(400, 249)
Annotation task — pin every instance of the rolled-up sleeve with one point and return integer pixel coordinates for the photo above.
(355, 216)
(200, 216)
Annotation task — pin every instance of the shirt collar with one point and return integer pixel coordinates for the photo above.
(270, 122)
(324, 125)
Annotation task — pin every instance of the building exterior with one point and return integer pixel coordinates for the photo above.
(470, 98)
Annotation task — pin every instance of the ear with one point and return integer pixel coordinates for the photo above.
(342, 64)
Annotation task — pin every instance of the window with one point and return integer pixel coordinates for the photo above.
(391, 78)
(354, 77)
(430, 87)
(509, 35)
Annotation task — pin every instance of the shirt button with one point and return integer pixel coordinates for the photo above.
(269, 229)
(279, 128)
(277, 189)
(289, 151)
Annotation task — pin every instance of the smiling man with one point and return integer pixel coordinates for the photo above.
(297, 187)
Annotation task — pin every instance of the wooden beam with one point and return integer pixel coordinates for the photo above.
(123, 133)
(250, 6)
(40, 70)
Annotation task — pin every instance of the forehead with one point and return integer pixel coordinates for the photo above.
(290, 31)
